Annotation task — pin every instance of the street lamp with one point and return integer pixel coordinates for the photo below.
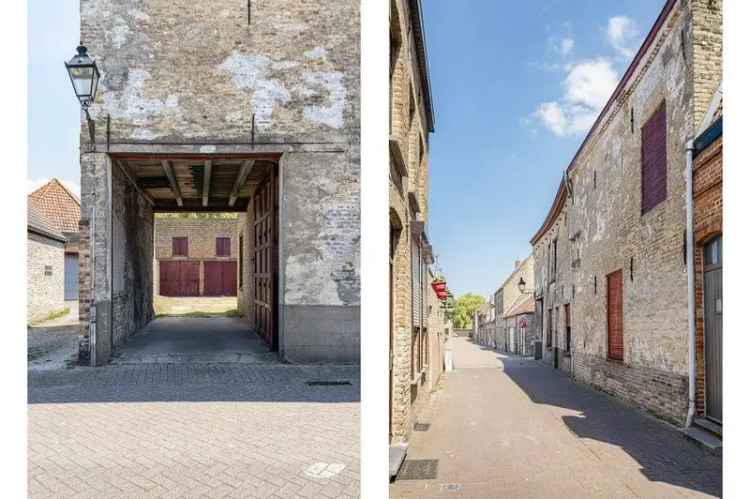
(84, 75)
(522, 286)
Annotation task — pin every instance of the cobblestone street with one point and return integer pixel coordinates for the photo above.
(193, 430)
(505, 426)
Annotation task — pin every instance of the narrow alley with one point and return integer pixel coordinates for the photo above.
(508, 426)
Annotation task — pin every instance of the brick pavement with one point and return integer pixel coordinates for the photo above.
(511, 427)
(193, 430)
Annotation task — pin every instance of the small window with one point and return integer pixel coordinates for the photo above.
(179, 246)
(654, 160)
(567, 327)
(48, 270)
(223, 246)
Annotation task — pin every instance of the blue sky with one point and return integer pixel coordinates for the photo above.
(516, 85)
(53, 109)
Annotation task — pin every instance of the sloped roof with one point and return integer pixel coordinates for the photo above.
(58, 205)
(524, 305)
(35, 222)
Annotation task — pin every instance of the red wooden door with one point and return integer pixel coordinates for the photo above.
(179, 278)
(220, 278)
(265, 254)
(614, 315)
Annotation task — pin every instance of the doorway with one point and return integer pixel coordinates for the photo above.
(712, 317)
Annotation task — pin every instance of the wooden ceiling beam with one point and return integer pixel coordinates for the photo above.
(206, 181)
(169, 172)
(129, 174)
(245, 170)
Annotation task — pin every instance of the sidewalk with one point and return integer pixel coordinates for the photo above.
(505, 426)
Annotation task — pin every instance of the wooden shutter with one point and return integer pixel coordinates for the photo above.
(223, 246)
(654, 160)
(416, 283)
(179, 246)
(614, 315)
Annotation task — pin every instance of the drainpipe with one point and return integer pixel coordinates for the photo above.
(690, 257)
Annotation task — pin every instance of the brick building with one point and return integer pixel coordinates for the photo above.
(61, 208)
(196, 255)
(411, 122)
(707, 236)
(45, 260)
(246, 107)
(611, 264)
(514, 310)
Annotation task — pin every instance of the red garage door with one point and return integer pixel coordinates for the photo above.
(179, 278)
(220, 278)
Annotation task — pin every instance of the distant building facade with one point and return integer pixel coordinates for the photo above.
(514, 310)
(45, 271)
(610, 274)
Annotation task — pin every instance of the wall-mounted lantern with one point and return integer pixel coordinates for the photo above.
(84, 75)
(522, 287)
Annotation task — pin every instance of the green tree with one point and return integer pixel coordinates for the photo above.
(466, 305)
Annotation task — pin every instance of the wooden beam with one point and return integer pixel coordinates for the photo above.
(153, 182)
(197, 157)
(245, 170)
(169, 172)
(206, 181)
(129, 174)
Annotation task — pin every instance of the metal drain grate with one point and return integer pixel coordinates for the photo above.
(421, 426)
(328, 383)
(450, 487)
(418, 469)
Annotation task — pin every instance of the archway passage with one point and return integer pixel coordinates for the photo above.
(221, 248)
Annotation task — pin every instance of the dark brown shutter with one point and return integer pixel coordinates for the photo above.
(654, 160)
(223, 246)
(179, 246)
(614, 315)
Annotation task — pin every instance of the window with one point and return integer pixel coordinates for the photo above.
(554, 260)
(223, 246)
(654, 160)
(179, 246)
(549, 328)
(48, 270)
(241, 262)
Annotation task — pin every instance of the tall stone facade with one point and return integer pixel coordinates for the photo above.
(411, 338)
(603, 227)
(266, 82)
(513, 323)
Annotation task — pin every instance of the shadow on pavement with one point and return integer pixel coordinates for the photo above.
(664, 454)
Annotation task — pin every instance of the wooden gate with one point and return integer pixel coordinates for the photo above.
(264, 259)
(712, 307)
(220, 278)
(179, 278)
(614, 316)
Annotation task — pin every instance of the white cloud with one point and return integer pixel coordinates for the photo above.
(586, 88)
(32, 185)
(622, 33)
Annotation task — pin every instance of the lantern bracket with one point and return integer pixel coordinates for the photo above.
(92, 127)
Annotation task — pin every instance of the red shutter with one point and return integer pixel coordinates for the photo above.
(614, 315)
(654, 160)
(179, 246)
(223, 246)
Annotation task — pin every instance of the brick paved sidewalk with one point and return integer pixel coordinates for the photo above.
(160, 430)
(510, 427)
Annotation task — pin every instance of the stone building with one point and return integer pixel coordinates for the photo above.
(611, 263)
(196, 255)
(45, 260)
(411, 122)
(247, 107)
(484, 325)
(514, 310)
(708, 255)
(62, 210)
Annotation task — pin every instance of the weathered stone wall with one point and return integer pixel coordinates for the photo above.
(708, 222)
(608, 232)
(409, 137)
(172, 74)
(45, 294)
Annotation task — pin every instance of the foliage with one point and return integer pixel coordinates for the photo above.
(466, 305)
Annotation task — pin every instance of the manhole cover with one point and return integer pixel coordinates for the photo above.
(450, 487)
(418, 469)
(421, 426)
(328, 383)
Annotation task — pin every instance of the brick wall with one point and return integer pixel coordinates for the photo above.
(201, 234)
(602, 225)
(44, 293)
(708, 220)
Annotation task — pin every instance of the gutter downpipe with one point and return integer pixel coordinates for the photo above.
(690, 257)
